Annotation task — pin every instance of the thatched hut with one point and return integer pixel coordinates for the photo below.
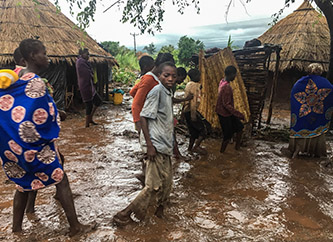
(305, 38)
(21, 19)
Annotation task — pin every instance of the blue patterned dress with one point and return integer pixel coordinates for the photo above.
(311, 111)
(29, 126)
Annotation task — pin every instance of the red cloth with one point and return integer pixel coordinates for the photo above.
(225, 101)
(139, 92)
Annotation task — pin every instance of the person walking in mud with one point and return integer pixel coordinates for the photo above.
(197, 125)
(157, 127)
(229, 117)
(88, 92)
(29, 126)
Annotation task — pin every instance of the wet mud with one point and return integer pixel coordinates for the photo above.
(256, 194)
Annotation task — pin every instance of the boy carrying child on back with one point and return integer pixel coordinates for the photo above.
(156, 120)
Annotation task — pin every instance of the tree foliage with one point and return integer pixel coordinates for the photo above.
(151, 49)
(187, 47)
(167, 49)
(146, 15)
(114, 48)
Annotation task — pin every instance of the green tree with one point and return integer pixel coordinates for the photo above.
(187, 47)
(151, 49)
(167, 49)
(114, 48)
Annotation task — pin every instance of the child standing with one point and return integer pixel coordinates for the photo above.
(195, 121)
(229, 117)
(157, 127)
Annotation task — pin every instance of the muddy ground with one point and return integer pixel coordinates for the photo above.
(256, 194)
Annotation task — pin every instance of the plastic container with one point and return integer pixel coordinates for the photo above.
(117, 98)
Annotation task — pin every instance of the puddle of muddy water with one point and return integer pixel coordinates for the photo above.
(255, 194)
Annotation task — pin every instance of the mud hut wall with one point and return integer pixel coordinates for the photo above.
(212, 70)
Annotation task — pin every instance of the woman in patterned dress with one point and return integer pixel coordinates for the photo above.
(29, 127)
(311, 111)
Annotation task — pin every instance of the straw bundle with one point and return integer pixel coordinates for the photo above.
(212, 71)
(21, 19)
(304, 36)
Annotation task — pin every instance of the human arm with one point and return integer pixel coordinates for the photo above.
(194, 102)
(226, 99)
(149, 112)
(151, 151)
(180, 100)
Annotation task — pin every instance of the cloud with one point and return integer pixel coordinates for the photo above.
(216, 35)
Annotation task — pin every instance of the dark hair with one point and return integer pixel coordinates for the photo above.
(29, 46)
(163, 57)
(181, 71)
(17, 56)
(145, 61)
(230, 70)
(164, 64)
(83, 50)
(193, 73)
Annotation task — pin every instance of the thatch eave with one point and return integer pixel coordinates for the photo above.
(21, 19)
(304, 37)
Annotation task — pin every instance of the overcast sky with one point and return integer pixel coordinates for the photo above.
(209, 26)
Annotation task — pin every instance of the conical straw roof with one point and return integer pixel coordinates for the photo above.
(21, 19)
(304, 36)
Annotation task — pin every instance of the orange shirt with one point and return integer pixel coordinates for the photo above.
(139, 93)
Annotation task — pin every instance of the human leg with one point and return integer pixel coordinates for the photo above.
(30, 207)
(197, 147)
(66, 199)
(89, 110)
(226, 125)
(20, 202)
(238, 129)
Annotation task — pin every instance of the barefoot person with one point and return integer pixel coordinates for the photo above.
(198, 127)
(29, 126)
(229, 117)
(157, 127)
(87, 89)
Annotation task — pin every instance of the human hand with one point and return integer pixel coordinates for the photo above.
(151, 152)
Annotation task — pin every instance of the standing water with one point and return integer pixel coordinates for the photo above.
(255, 194)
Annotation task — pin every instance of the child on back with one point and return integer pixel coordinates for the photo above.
(195, 122)
(157, 127)
(146, 64)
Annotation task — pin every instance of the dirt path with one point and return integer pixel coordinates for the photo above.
(252, 195)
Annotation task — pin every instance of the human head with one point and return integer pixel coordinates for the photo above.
(18, 58)
(315, 69)
(163, 57)
(181, 75)
(34, 53)
(146, 64)
(230, 73)
(194, 74)
(168, 74)
(84, 53)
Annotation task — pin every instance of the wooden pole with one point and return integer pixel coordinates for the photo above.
(273, 89)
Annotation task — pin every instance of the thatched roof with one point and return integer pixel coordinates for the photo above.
(304, 36)
(21, 19)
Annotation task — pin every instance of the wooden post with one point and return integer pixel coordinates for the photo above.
(273, 89)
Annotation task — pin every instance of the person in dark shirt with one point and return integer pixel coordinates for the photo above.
(229, 117)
